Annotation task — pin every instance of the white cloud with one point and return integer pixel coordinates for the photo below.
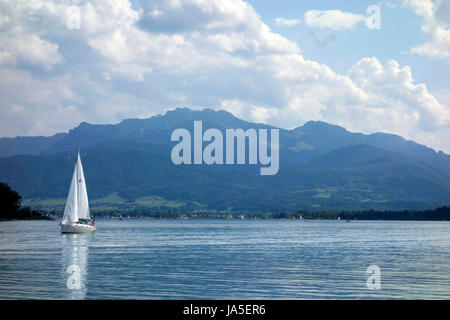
(281, 22)
(391, 91)
(28, 48)
(244, 110)
(30, 106)
(22, 33)
(436, 26)
(333, 19)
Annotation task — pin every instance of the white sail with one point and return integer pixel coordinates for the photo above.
(71, 209)
(77, 204)
(83, 202)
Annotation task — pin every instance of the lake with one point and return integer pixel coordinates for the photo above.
(225, 259)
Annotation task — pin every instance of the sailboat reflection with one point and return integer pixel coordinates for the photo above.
(75, 255)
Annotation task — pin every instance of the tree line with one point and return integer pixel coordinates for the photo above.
(10, 207)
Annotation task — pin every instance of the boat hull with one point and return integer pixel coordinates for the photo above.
(77, 228)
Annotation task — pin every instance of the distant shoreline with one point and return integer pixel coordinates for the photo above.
(231, 219)
(438, 214)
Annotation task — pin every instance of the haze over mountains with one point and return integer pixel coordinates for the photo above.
(322, 166)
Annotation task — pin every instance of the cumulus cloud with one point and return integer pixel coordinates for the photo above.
(136, 61)
(332, 19)
(20, 43)
(390, 89)
(29, 48)
(29, 106)
(436, 26)
(371, 97)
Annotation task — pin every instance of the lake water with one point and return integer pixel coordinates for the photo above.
(225, 259)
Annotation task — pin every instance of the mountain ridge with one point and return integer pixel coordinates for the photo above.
(189, 112)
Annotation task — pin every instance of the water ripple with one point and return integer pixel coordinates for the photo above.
(214, 259)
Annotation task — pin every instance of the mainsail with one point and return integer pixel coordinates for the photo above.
(77, 204)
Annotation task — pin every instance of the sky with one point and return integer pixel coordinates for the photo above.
(277, 62)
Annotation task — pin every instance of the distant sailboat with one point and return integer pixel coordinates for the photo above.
(77, 218)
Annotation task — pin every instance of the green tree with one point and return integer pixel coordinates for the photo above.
(9, 201)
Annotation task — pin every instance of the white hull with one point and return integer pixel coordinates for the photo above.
(77, 228)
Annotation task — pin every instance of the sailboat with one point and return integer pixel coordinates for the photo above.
(77, 218)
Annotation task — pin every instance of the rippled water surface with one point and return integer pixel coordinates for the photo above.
(217, 259)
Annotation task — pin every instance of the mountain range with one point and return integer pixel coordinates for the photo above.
(322, 166)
